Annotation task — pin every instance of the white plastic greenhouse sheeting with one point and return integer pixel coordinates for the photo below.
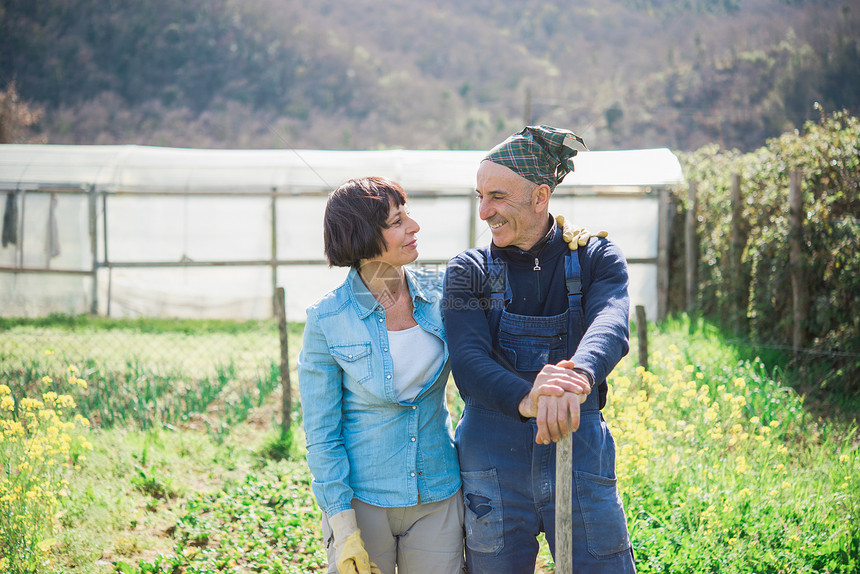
(146, 168)
(143, 227)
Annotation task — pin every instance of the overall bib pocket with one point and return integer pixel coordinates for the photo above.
(483, 511)
(530, 343)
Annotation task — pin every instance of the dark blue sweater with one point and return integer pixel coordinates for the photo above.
(537, 293)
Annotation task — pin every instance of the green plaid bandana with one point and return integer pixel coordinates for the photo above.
(541, 154)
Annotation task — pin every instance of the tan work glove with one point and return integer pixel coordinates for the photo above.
(576, 237)
(349, 553)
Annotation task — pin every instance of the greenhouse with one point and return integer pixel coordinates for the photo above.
(128, 231)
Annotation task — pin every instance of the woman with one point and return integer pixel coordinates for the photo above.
(372, 375)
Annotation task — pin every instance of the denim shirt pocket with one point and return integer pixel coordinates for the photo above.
(354, 360)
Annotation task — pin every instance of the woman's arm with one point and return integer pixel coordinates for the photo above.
(320, 385)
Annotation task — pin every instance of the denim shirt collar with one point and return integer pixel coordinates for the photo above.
(366, 303)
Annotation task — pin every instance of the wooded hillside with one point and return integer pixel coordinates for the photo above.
(443, 74)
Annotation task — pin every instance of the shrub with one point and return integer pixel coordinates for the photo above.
(827, 153)
(41, 442)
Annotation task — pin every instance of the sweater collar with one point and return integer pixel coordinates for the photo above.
(515, 253)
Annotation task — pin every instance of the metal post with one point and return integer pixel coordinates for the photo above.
(663, 240)
(274, 264)
(473, 216)
(21, 229)
(94, 250)
(564, 505)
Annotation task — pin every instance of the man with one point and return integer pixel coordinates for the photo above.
(535, 322)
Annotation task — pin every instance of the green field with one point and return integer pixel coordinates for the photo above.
(722, 466)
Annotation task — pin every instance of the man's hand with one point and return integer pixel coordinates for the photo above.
(554, 401)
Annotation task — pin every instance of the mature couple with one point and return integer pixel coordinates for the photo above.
(530, 326)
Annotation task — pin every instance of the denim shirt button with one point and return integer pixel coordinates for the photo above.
(411, 474)
(413, 439)
(387, 376)
(414, 407)
(380, 319)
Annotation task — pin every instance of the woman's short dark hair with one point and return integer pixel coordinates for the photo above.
(355, 215)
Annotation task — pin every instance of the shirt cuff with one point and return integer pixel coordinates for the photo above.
(587, 374)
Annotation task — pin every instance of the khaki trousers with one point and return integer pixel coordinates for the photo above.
(422, 539)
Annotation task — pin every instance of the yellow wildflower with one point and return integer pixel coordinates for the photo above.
(66, 402)
(47, 414)
(31, 403)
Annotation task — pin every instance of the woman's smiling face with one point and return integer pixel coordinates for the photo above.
(401, 243)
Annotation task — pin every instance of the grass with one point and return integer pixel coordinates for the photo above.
(721, 465)
(145, 373)
(723, 469)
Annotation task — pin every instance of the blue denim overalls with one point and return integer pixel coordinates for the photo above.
(509, 481)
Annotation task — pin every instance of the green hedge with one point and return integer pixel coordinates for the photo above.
(828, 155)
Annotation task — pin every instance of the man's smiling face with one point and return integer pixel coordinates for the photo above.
(510, 205)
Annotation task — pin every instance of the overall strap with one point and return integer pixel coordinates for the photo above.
(576, 325)
(500, 290)
(573, 280)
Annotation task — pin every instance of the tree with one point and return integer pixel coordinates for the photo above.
(15, 115)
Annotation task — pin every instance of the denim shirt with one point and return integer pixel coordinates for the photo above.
(362, 443)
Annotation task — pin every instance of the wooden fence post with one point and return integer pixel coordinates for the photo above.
(736, 248)
(563, 505)
(796, 259)
(690, 247)
(642, 335)
(287, 399)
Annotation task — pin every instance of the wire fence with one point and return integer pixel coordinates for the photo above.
(124, 375)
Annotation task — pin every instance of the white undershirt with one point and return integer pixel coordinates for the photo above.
(417, 355)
